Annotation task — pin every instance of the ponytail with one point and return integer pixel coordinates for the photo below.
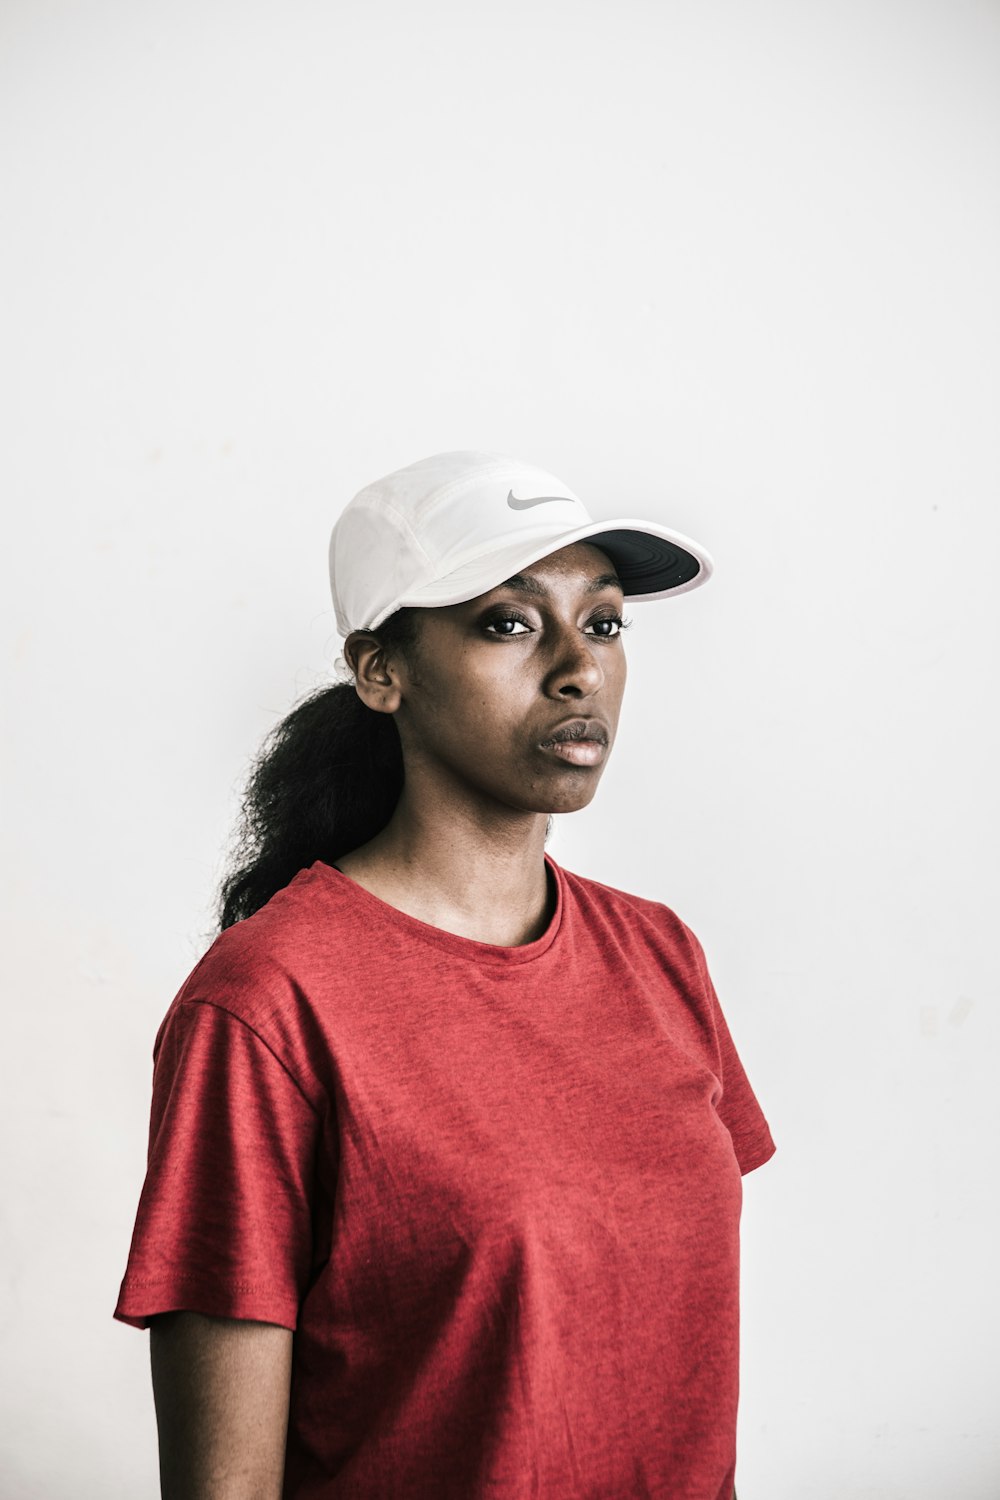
(326, 780)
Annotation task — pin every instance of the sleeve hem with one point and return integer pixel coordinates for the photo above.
(755, 1156)
(139, 1301)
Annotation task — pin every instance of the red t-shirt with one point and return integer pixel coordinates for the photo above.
(495, 1191)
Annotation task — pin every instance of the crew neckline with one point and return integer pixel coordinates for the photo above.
(495, 954)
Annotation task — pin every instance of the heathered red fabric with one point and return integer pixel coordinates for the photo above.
(495, 1191)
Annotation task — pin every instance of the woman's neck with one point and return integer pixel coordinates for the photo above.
(488, 883)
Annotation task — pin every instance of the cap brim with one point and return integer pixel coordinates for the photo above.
(650, 560)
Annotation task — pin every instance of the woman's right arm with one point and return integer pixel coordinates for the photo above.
(221, 1391)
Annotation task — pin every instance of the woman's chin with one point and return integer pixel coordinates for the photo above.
(572, 799)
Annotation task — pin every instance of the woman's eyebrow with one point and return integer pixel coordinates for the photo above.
(604, 581)
(523, 584)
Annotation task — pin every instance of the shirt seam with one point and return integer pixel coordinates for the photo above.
(200, 1278)
(218, 1005)
(439, 938)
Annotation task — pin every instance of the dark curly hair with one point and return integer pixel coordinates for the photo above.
(326, 780)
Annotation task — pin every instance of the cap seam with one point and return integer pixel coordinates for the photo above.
(378, 502)
(496, 544)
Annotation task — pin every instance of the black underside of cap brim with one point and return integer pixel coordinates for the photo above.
(646, 564)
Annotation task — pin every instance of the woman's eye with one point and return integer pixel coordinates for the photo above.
(614, 620)
(605, 629)
(500, 621)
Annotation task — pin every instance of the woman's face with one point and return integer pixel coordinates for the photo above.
(514, 696)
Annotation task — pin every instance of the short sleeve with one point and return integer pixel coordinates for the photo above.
(738, 1108)
(224, 1223)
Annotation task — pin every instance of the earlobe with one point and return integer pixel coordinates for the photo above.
(379, 693)
(375, 682)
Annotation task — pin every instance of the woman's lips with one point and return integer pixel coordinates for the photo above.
(577, 752)
(582, 741)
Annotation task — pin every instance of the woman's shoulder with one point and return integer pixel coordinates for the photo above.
(252, 966)
(593, 893)
(257, 976)
(642, 928)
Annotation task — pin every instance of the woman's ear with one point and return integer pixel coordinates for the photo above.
(377, 682)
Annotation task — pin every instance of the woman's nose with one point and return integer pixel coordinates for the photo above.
(576, 671)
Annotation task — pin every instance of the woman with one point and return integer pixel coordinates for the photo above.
(446, 1142)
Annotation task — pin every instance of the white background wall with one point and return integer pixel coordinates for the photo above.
(732, 265)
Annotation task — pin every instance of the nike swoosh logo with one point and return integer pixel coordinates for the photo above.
(516, 504)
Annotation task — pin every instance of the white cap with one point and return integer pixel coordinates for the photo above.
(455, 525)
